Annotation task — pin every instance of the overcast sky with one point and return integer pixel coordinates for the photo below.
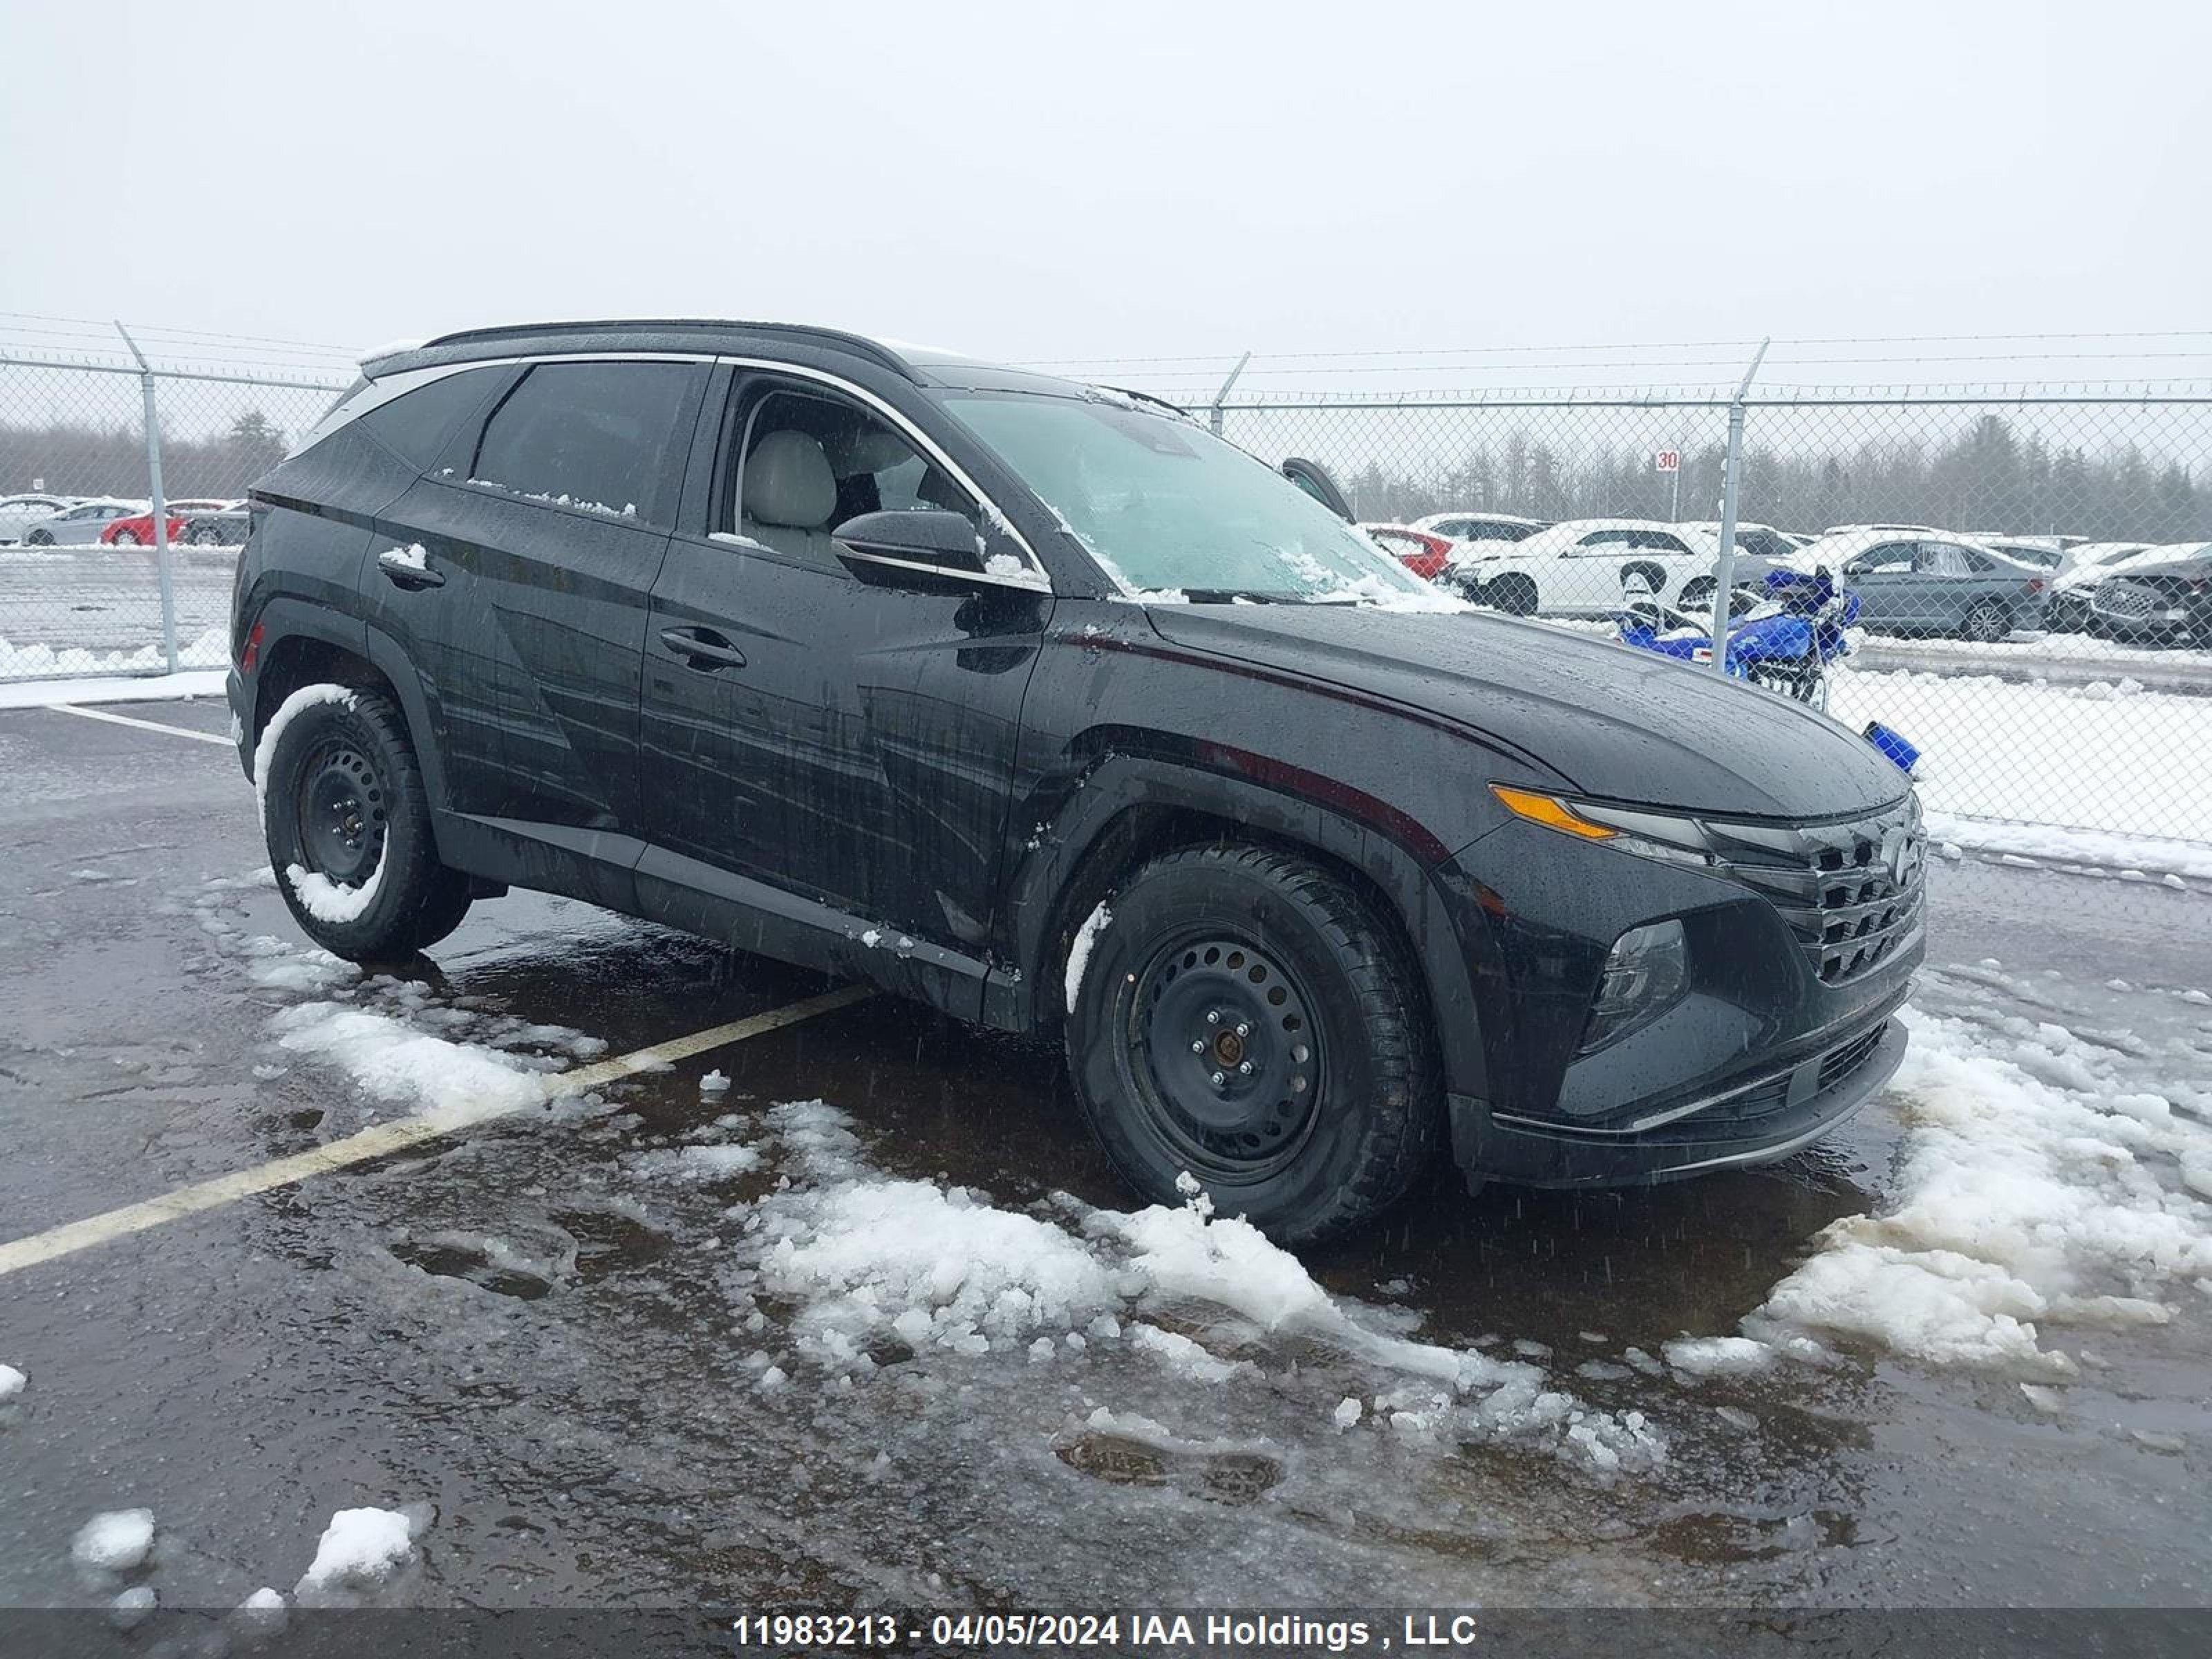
(1039, 182)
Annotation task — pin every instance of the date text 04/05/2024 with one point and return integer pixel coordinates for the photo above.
(1103, 1630)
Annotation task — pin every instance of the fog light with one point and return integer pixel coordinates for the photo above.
(1644, 975)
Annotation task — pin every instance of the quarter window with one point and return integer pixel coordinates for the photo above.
(604, 437)
(417, 426)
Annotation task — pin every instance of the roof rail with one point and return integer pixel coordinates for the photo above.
(857, 343)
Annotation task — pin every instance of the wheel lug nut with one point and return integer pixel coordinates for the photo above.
(1245, 1069)
(1244, 1027)
(1198, 1045)
(1219, 1079)
(1213, 1017)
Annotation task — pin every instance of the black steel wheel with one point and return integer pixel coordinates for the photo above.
(344, 799)
(1247, 1018)
(341, 814)
(1230, 1070)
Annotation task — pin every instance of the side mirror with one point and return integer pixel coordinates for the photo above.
(1312, 477)
(930, 536)
(1856, 568)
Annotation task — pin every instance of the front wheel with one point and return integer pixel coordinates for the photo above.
(126, 538)
(348, 825)
(1986, 623)
(40, 539)
(1244, 1018)
(1515, 595)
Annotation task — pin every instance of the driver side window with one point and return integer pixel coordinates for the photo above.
(1889, 559)
(808, 461)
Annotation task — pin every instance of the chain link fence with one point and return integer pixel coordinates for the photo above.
(2034, 598)
(91, 582)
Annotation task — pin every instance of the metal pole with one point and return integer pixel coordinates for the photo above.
(1674, 512)
(1213, 415)
(1724, 572)
(160, 502)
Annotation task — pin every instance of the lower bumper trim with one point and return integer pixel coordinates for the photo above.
(1520, 1151)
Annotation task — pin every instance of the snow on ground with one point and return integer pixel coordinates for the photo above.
(116, 1541)
(392, 1038)
(2138, 763)
(12, 1382)
(2036, 1195)
(358, 1548)
(397, 1063)
(867, 1259)
(211, 648)
(150, 687)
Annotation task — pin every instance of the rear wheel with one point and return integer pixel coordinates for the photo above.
(348, 826)
(1986, 623)
(40, 539)
(126, 538)
(1246, 1018)
(1515, 595)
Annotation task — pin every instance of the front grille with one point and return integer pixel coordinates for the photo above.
(1839, 1063)
(2124, 601)
(1851, 892)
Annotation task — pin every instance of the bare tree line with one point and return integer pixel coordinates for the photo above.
(1988, 478)
(74, 459)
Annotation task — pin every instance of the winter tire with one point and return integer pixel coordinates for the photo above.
(1243, 1017)
(348, 826)
(1515, 595)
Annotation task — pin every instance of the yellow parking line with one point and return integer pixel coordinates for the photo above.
(143, 725)
(385, 1138)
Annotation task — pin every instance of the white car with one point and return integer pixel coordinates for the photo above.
(1502, 527)
(19, 513)
(1579, 567)
(2076, 581)
(1761, 541)
(80, 524)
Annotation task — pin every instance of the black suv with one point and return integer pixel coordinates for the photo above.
(1040, 704)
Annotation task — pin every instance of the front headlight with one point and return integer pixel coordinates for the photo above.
(1661, 835)
(1644, 975)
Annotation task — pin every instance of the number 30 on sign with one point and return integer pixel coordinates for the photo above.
(1667, 460)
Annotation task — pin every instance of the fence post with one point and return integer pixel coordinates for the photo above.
(159, 502)
(1724, 572)
(1213, 415)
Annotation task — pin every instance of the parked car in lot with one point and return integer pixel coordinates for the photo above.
(1419, 550)
(2162, 596)
(138, 530)
(1761, 541)
(19, 513)
(1580, 568)
(1505, 527)
(2073, 588)
(221, 525)
(863, 658)
(80, 526)
(1933, 583)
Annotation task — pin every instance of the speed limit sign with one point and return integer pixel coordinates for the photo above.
(1667, 460)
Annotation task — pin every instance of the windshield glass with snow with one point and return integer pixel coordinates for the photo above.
(1167, 508)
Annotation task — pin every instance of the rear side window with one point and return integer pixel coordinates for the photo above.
(606, 437)
(417, 425)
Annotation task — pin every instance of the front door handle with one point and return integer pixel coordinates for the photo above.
(702, 648)
(402, 566)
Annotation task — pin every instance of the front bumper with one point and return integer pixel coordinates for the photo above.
(1756, 1123)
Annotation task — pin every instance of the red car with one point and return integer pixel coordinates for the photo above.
(138, 531)
(1417, 550)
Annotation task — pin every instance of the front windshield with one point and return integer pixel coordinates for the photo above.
(1170, 511)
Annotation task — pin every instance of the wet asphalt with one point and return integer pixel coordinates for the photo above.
(505, 1332)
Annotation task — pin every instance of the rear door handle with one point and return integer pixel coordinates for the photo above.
(400, 565)
(702, 648)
